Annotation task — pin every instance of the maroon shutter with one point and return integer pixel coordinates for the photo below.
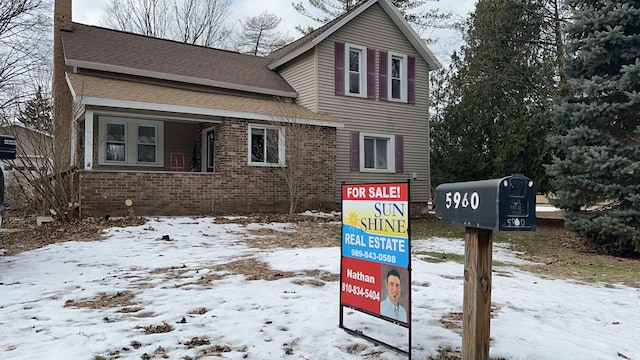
(383, 75)
(339, 68)
(371, 73)
(355, 150)
(399, 154)
(411, 81)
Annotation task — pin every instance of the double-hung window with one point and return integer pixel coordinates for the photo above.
(266, 145)
(356, 67)
(127, 141)
(116, 142)
(147, 144)
(397, 77)
(377, 153)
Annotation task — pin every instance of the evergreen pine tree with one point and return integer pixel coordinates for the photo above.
(37, 113)
(596, 172)
(323, 11)
(497, 98)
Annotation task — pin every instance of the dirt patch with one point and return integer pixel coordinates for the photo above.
(103, 300)
(200, 311)
(254, 270)
(452, 321)
(306, 231)
(215, 349)
(21, 233)
(156, 329)
(196, 341)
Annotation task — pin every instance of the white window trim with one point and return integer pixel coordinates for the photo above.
(363, 70)
(203, 150)
(131, 141)
(404, 77)
(281, 146)
(391, 153)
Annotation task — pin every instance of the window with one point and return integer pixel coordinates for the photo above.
(116, 142)
(356, 70)
(377, 153)
(266, 145)
(125, 141)
(147, 144)
(397, 77)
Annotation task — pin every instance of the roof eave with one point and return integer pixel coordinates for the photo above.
(311, 44)
(178, 78)
(395, 16)
(137, 105)
(411, 34)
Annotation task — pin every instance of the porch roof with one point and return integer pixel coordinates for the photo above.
(115, 93)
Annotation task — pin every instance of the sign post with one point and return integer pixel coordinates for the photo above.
(506, 204)
(375, 255)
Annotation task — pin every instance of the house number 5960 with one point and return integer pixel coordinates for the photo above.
(462, 200)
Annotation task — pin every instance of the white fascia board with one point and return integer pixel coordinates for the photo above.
(177, 78)
(395, 16)
(137, 105)
(311, 44)
(410, 34)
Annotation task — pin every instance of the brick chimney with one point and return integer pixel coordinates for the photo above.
(62, 100)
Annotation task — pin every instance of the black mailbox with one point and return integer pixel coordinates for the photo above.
(7, 147)
(507, 204)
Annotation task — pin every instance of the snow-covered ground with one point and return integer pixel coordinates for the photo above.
(176, 298)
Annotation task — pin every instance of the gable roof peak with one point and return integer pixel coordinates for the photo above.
(302, 45)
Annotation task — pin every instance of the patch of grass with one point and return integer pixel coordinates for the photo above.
(423, 229)
(557, 250)
(439, 257)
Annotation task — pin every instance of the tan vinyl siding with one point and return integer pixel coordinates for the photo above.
(302, 75)
(373, 29)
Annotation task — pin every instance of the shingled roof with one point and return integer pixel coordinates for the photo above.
(101, 91)
(97, 48)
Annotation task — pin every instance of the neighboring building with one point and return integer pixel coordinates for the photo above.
(185, 130)
(30, 163)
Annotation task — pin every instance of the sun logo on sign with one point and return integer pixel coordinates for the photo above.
(352, 218)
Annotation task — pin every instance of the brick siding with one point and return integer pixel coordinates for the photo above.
(235, 187)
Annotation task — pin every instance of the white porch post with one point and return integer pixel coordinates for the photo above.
(88, 140)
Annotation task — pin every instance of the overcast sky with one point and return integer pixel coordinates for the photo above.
(90, 12)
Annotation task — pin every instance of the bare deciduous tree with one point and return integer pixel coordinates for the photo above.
(259, 36)
(23, 47)
(146, 17)
(302, 141)
(198, 22)
(201, 22)
(34, 177)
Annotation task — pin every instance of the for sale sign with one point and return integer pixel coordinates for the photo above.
(376, 250)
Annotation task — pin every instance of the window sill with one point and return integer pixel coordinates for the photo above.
(265, 165)
(379, 171)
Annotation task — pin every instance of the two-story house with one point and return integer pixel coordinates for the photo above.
(179, 129)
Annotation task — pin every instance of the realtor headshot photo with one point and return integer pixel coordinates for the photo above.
(394, 298)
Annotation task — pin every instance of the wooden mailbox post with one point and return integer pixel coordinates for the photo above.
(506, 204)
